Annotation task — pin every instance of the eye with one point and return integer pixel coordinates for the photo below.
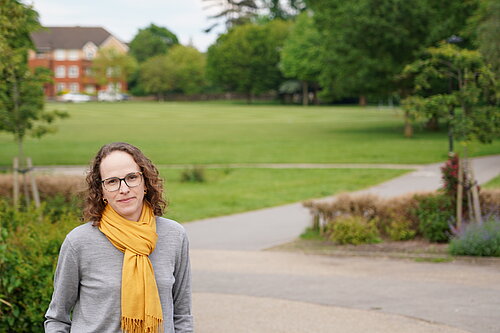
(132, 176)
(111, 181)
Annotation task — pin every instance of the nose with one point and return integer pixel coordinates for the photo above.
(123, 186)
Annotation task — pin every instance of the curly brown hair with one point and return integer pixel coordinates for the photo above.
(94, 204)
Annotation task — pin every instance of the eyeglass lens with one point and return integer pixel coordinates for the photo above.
(131, 180)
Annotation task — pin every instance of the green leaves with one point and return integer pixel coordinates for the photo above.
(470, 103)
(246, 58)
(152, 41)
(181, 70)
(21, 89)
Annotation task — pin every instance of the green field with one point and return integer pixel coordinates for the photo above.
(229, 191)
(213, 132)
(494, 183)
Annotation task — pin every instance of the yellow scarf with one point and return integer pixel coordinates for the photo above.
(141, 307)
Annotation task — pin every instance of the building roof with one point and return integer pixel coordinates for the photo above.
(50, 38)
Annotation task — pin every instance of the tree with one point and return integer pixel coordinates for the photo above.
(232, 12)
(474, 91)
(21, 90)
(187, 69)
(112, 67)
(472, 103)
(278, 9)
(366, 43)
(152, 41)
(300, 53)
(181, 70)
(152, 76)
(485, 27)
(246, 58)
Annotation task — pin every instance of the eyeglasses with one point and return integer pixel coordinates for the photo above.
(113, 184)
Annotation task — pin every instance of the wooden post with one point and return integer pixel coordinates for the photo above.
(475, 198)
(34, 189)
(460, 187)
(15, 183)
(25, 188)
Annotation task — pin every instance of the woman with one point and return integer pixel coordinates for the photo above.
(128, 268)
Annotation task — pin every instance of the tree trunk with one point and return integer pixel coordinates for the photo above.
(249, 97)
(305, 93)
(15, 187)
(362, 100)
(408, 126)
(433, 123)
(315, 98)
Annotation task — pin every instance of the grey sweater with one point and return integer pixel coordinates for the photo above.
(87, 282)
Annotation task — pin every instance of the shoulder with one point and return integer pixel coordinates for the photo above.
(84, 234)
(164, 225)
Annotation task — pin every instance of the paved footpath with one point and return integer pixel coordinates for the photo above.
(240, 287)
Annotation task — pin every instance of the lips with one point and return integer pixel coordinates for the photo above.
(126, 200)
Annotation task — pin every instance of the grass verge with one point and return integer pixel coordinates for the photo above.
(229, 191)
(494, 183)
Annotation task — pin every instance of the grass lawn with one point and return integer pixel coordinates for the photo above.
(208, 132)
(494, 183)
(229, 191)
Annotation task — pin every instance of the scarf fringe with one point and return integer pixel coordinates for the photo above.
(150, 325)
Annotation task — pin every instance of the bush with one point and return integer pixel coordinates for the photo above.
(353, 230)
(478, 240)
(29, 245)
(435, 214)
(48, 185)
(193, 175)
(400, 230)
(383, 212)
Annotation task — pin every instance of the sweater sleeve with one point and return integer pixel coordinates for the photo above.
(183, 320)
(66, 282)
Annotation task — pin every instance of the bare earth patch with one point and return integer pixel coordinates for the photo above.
(418, 250)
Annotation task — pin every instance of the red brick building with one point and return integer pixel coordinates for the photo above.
(68, 52)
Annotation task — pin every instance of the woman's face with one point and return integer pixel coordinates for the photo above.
(126, 201)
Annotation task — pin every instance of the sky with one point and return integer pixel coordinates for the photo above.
(123, 18)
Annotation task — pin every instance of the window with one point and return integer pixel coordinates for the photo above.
(60, 71)
(74, 87)
(89, 53)
(88, 71)
(73, 71)
(60, 87)
(60, 54)
(41, 55)
(73, 55)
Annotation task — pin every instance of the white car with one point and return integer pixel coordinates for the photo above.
(75, 98)
(108, 96)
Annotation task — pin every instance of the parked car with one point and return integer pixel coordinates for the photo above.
(75, 98)
(109, 96)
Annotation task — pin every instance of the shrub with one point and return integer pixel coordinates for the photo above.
(353, 230)
(193, 175)
(490, 201)
(29, 246)
(435, 214)
(400, 230)
(48, 185)
(478, 240)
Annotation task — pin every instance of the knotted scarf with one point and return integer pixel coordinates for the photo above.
(140, 301)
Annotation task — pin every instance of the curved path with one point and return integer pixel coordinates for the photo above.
(240, 288)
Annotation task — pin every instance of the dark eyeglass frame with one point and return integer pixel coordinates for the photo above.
(123, 179)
